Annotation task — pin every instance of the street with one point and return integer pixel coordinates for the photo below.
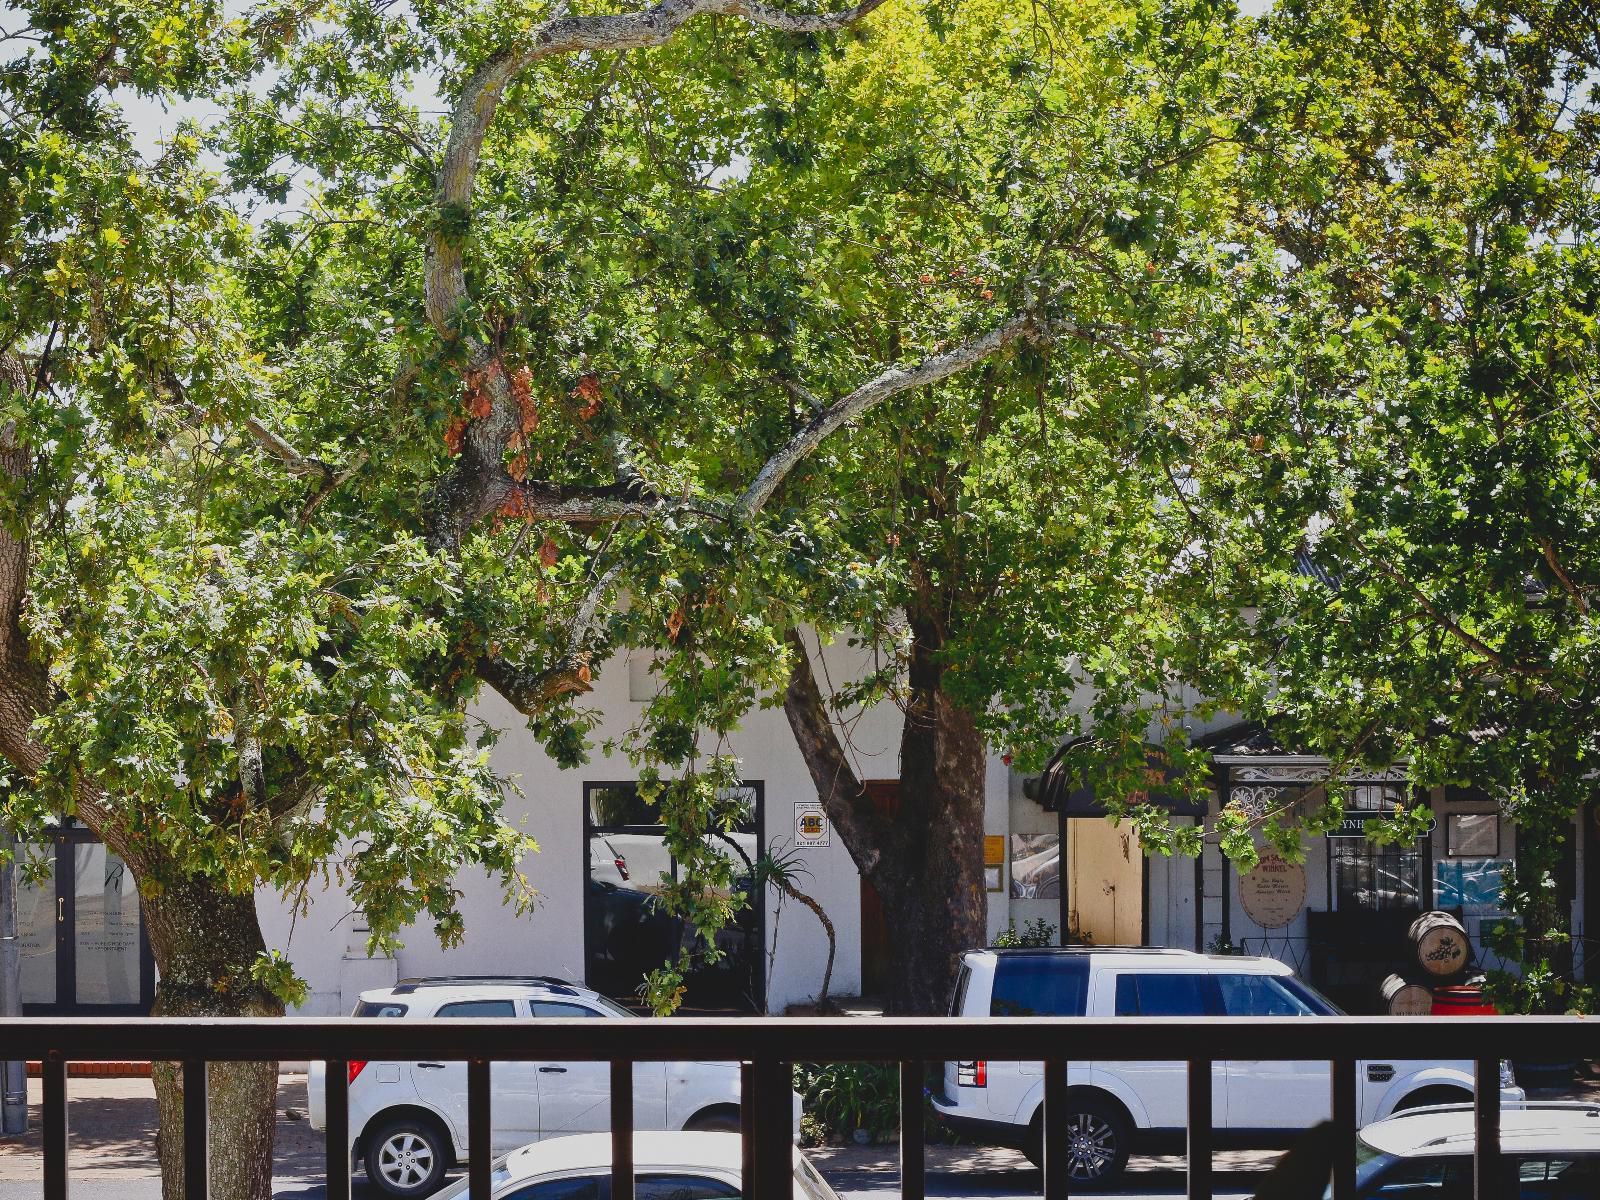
(112, 1123)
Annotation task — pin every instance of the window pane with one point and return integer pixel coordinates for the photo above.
(1039, 986)
(586, 1188)
(1375, 878)
(546, 1008)
(478, 1008)
(1258, 996)
(1168, 994)
(384, 1008)
(619, 804)
(36, 926)
(1428, 1179)
(105, 927)
(681, 1187)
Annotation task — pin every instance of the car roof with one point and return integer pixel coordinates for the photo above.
(444, 989)
(1148, 956)
(677, 1149)
(1528, 1128)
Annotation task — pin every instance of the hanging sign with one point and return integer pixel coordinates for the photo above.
(1273, 893)
(811, 825)
(1354, 824)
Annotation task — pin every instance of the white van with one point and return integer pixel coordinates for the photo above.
(1117, 1107)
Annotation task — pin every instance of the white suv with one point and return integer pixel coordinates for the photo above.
(408, 1120)
(1119, 1106)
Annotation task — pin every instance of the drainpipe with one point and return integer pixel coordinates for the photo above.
(13, 1075)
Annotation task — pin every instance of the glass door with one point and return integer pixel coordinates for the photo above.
(81, 932)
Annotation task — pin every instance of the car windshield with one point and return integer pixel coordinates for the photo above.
(499, 1175)
(1368, 1163)
(1315, 1000)
(611, 1007)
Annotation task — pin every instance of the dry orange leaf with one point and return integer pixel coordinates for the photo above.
(548, 553)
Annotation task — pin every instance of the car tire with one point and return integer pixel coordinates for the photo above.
(716, 1120)
(1099, 1138)
(406, 1157)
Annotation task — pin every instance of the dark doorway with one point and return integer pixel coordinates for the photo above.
(627, 933)
(81, 933)
(875, 970)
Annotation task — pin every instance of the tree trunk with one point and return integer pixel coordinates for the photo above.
(932, 886)
(927, 864)
(205, 941)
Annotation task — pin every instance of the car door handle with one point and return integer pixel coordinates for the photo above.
(431, 1066)
(552, 1070)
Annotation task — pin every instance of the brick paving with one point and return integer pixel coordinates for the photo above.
(111, 1125)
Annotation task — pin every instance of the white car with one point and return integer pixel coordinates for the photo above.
(666, 1166)
(1121, 1106)
(1547, 1152)
(408, 1120)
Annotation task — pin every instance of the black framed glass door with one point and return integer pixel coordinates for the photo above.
(81, 933)
(626, 933)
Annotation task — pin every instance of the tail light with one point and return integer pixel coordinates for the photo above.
(972, 1074)
(354, 1068)
(622, 867)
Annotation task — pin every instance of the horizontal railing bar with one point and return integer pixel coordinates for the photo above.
(870, 1040)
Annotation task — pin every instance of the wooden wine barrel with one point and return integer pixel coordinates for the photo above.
(1463, 1000)
(1402, 998)
(1442, 947)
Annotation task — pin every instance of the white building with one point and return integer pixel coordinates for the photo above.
(1335, 918)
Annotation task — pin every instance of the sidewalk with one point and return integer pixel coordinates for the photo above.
(111, 1124)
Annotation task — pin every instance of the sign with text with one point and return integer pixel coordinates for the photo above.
(811, 825)
(1354, 824)
(1273, 892)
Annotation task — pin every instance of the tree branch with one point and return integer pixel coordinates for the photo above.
(865, 833)
(652, 26)
(884, 387)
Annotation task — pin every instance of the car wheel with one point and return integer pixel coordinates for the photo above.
(406, 1157)
(1096, 1142)
(718, 1120)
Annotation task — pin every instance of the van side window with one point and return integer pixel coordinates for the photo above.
(1039, 985)
(1164, 994)
(478, 1008)
(1259, 996)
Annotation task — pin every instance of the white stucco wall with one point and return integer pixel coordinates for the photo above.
(549, 940)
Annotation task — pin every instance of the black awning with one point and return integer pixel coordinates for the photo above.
(1067, 783)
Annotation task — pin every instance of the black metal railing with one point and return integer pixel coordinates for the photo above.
(767, 1046)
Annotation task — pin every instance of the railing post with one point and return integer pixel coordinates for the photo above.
(54, 1071)
(1342, 1085)
(774, 1176)
(621, 1129)
(336, 1102)
(480, 1128)
(1053, 1130)
(747, 1120)
(196, 1131)
(1201, 1120)
(1486, 1172)
(913, 1170)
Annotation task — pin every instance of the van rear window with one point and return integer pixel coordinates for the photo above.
(1039, 985)
(383, 1008)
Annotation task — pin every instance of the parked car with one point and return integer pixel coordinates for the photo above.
(666, 1166)
(408, 1120)
(1120, 1106)
(1548, 1152)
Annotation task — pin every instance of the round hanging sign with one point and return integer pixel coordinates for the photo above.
(1274, 892)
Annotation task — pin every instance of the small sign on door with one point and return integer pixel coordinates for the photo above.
(811, 825)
